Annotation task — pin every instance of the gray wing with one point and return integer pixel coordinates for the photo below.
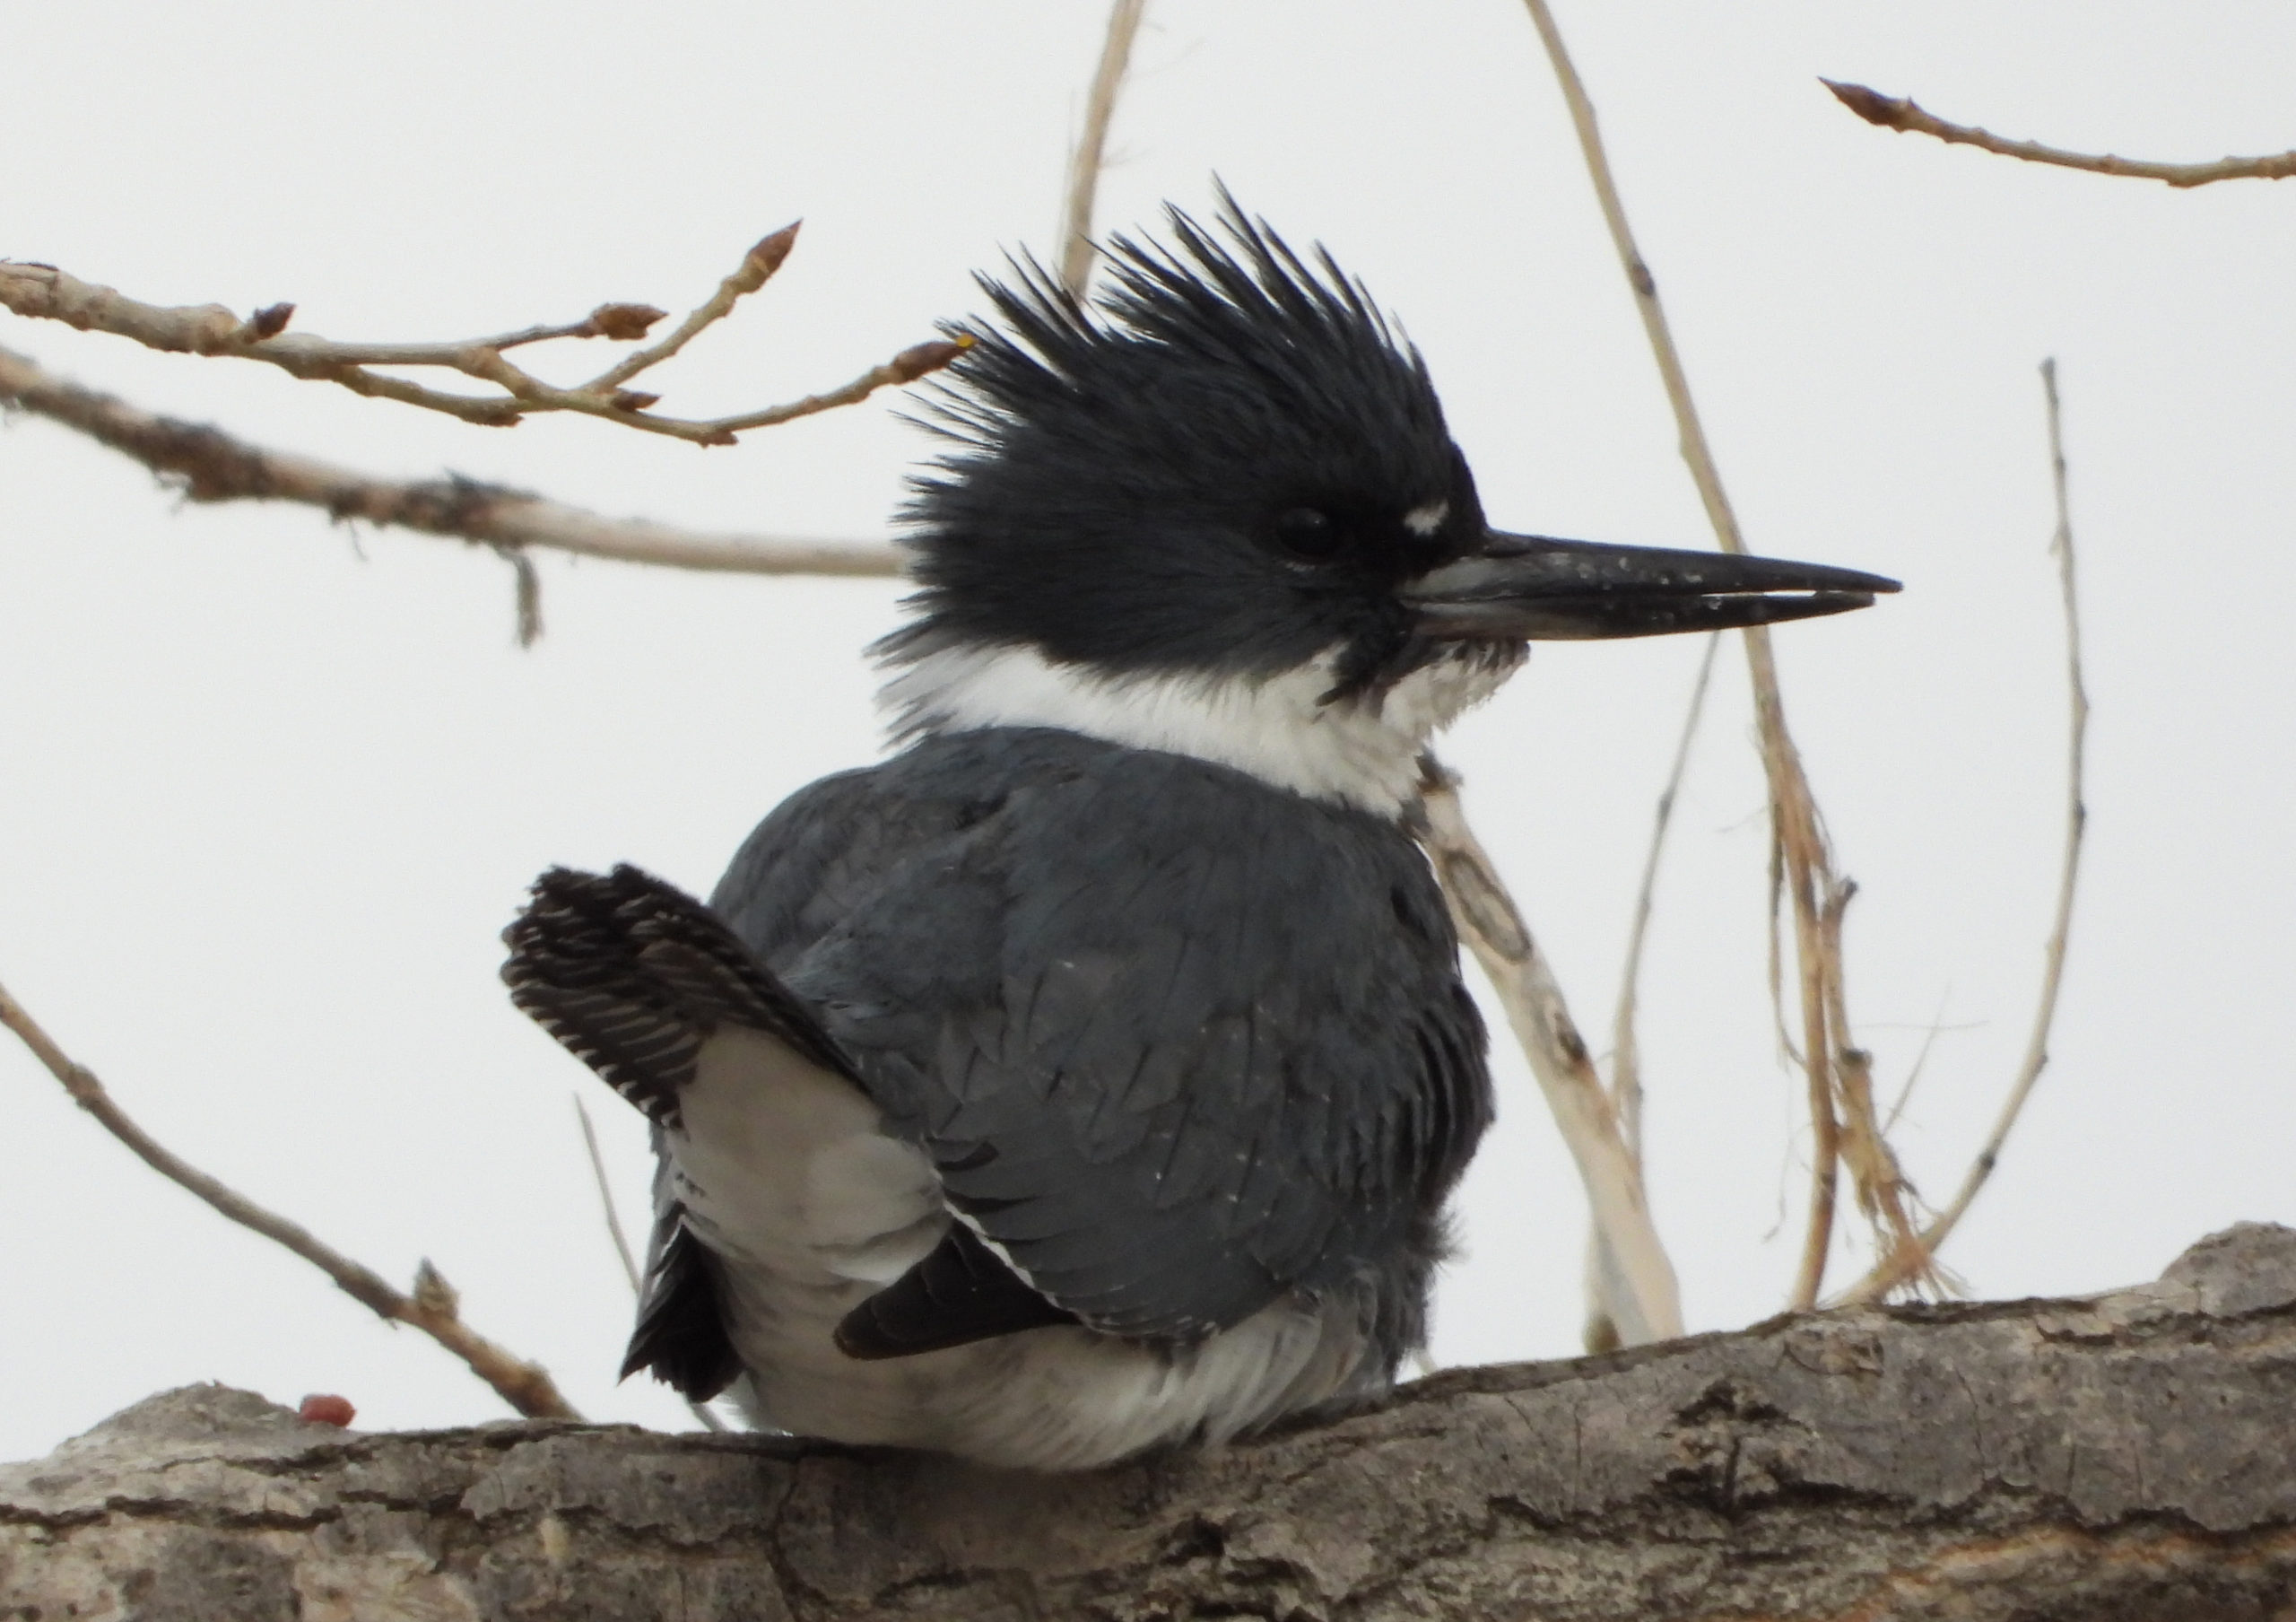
(1176, 1042)
(632, 976)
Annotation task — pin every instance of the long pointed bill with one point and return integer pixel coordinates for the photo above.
(1523, 587)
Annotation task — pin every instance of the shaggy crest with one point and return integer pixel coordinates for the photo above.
(1108, 456)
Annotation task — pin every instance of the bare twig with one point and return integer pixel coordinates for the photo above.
(1902, 114)
(208, 465)
(527, 588)
(756, 269)
(1793, 837)
(918, 361)
(1909, 1258)
(605, 1197)
(700, 1411)
(1804, 862)
(1601, 1332)
(1639, 1297)
(1076, 250)
(432, 1307)
(46, 292)
(1913, 1071)
(1626, 1054)
(1882, 1191)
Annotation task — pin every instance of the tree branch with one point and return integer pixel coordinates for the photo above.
(1902, 114)
(1084, 163)
(756, 269)
(208, 465)
(620, 1239)
(1802, 857)
(701, 1412)
(1626, 1054)
(433, 1307)
(1638, 1296)
(1912, 1254)
(42, 292)
(1600, 1333)
(2123, 1457)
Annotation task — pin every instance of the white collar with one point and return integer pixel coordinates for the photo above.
(1277, 727)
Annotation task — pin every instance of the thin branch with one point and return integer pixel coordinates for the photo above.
(1626, 1053)
(207, 465)
(1601, 1332)
(45, 292)
(1826, 1124)
(605, 1198)
(1805, 862)
(700, 1411)
(1883, 1193)
(432, 1307)
(756, 269)
(1640, 1297)
(527, 588)
(1900, 113)
(1909, 1258)
(268, 325)
(1921, 1063)
(918, 361)
(1084, 163)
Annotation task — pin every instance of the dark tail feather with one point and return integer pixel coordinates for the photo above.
(633, 975)
(681, 1334)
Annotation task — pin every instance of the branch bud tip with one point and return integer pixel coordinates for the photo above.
(762, 260)
(919, 358)
(624, 323)
(1871, 105)
(269, 321)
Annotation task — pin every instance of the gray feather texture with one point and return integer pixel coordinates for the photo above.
(1247, 1066)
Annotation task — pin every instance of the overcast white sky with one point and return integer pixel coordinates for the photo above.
(269, 789)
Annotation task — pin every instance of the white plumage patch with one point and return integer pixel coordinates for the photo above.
(785, 1172)
(1362, 753)
(1427, 519)
(784, 1166)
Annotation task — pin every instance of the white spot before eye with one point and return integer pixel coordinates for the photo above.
(1427, 519)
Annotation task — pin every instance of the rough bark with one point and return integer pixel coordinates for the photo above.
(2130, 1456)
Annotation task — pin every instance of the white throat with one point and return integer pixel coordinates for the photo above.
(1276, 728)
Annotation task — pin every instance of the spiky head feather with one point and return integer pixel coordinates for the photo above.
(1124, 472)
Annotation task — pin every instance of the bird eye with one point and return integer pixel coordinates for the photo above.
(1308, 534)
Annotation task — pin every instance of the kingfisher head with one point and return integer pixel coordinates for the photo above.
(1217, 511)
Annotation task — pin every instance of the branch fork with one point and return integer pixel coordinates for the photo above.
(44, 291)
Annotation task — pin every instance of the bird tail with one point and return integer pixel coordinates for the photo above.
(631, 975)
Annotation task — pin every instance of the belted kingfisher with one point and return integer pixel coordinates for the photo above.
(1092, 1074)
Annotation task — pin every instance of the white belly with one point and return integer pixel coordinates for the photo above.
(786, 1173)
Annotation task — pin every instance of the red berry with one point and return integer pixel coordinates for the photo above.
(322, 1409)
